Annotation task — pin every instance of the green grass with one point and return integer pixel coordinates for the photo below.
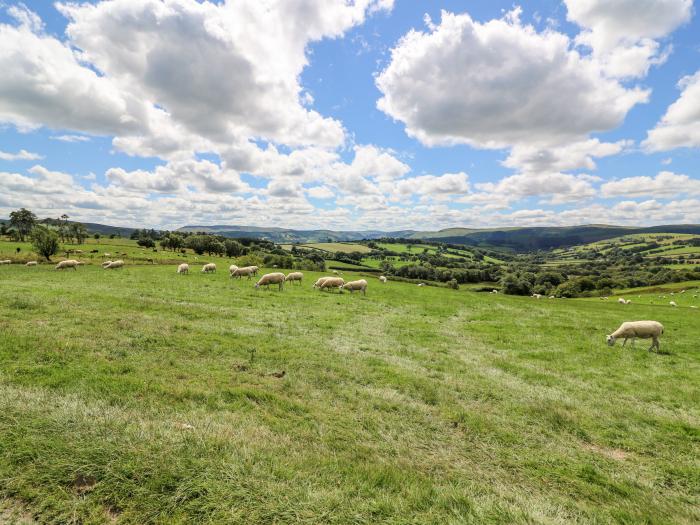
(115, 247)
(139, 396)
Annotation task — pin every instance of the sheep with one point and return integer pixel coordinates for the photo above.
(246, 270)
(335, 272)
(552, 297)
(255, 269)
(114, 265)
(382, 279)
(622, 300)
(108, 255)
(232, 269)
(332, 282)
(295, 276)
(69, 263)
(31, 263)
(641, 329)
(106, 263)
(7, 261)
(209, 268)
(494, 291)
(271, 278)
(537, 296)
(672, 303)
(360, 285)
(183, 269)
(319, 282)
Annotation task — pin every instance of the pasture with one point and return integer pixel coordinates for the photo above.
(140, 396)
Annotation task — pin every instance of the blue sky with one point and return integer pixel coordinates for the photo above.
(366, 114)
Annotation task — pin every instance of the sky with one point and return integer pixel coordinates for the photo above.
(351, 114)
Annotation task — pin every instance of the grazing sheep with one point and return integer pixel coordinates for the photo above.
(106, 263)
(360, 285)
(382, 279)
(246, 270)
(255, 269)
(672, 303)
(494, 291)
(232, 269)
(421, 284)
(332, 282)
(638, 329)
(319, 282)
(183, 269)
(271, 278)
(622, 300)
(114, 265)
(31, 263)
(69, 263)
(552, 297)
(295, 276)
(209, 268)
(7, 261)
(335, 272)
(537, 296)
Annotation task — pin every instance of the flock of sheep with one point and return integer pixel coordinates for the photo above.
(278, 278)
(627, 330)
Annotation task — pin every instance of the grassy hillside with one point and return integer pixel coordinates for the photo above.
(139, 396)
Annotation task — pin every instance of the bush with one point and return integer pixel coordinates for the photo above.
(452, 283)
(44, 241)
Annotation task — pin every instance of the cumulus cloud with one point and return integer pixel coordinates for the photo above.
(498, 84)
(556, 188)
(433, 186)
(680, 126)
(577, 155)
(622, 33)
(666, 184)
(70, 138)
(22, 154)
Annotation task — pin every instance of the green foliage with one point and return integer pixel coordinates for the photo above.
(44, 241)
(23, 221)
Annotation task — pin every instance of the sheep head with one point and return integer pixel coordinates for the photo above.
(610, 340)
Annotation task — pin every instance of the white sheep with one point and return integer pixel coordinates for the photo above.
(106, 263)
(622, 300)
(232, 269)
(319, 282)
(494, 291)
(246, 270)
(637, 329)
(537, 296)
(271, 278)
(114, 265)
(255, 269)
(69, 263)
(672, 303)
(209, 268)
(421, 284)
(332, 282)
(31, 263)
(360, 285)
(6, 261)
(552, 297)
(183, 269)
(108, 254)
(294, 276)
(382, 279)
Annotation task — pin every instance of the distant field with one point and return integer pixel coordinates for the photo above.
(139, 396)
(337, 247)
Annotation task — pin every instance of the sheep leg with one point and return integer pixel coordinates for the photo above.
(624, 342)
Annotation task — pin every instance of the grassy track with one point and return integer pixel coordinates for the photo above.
(139, 396)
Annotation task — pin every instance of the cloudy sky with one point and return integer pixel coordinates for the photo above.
(351, 114)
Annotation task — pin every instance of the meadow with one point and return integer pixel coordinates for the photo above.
(140, 396)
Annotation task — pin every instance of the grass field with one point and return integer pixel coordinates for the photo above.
(343, 247)
(139, 396)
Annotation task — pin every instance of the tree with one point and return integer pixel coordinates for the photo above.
(97, 237)
(78, 232)
(44, 241)
(23, 221)
(146, 242)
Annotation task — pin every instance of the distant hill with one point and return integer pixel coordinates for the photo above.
(284, 235)
(543, 238)
(515, 238)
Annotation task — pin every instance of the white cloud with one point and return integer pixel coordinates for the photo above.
(666, 184)
(23, 154)
(499, 84)
(426, 186)
(224, 71)
(577, 155)
(70, 138)
(622, 33)
(320, 192)
(557, 187)
(680, 126)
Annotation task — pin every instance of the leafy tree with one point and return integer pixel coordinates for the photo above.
(44, 241)
(97, 237)
(22, 221)
(146, 242)
(78, 232)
